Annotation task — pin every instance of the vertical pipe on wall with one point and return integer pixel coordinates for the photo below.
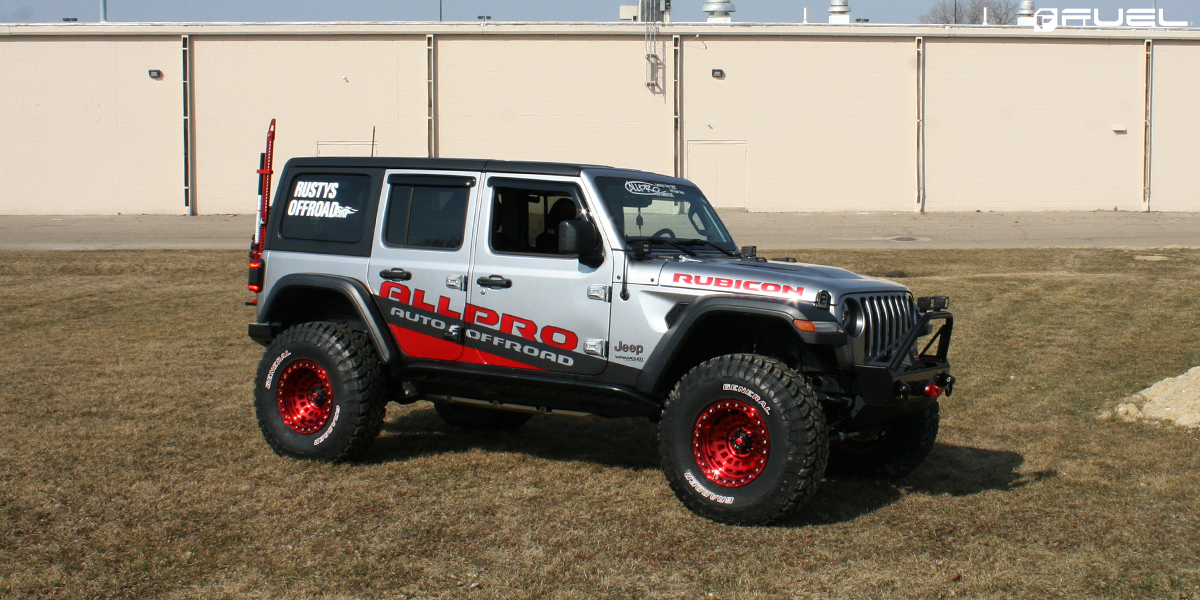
(1148, 164)
(187, 127)
(431, 94)
(678, 92)
(920, 206)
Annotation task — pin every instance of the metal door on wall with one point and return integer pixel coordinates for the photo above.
(718, 168)
(531, 307)
(421, 259)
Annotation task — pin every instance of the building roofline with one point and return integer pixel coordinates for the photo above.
(860, 30)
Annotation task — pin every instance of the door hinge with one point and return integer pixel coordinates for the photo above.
(596, 347)
(457, 282)
(599, 292)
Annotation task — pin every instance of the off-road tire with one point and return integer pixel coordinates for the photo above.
(480, 419)
(906, 443)
(354, 376)
(768, 392)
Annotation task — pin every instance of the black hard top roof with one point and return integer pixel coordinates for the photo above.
(446, 164)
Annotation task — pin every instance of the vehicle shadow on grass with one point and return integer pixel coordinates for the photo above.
(633, 444)
(622, 443)
(950, 469)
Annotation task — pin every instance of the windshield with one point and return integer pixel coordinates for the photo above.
(675, 214)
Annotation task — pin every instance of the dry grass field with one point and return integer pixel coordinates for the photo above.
(131, 465)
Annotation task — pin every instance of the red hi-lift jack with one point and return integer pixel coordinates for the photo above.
(257, 267)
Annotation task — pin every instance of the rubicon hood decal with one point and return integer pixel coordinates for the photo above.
(778, 280)
(724, 283)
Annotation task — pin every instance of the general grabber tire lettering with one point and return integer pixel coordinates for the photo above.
(319, 393)
(480, 419)
(897, 449)
(743, 440)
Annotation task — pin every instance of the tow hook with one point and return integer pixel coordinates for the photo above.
(926, 388)
(946, 380)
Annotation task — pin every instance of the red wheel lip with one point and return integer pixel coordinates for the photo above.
(714, 447)
(299, 384)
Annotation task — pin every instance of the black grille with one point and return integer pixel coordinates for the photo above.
(673, 314)
(888, 318)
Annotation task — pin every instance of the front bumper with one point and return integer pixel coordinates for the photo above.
(894, 383)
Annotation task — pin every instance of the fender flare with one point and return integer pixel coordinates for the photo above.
(355, 291)
(785, 311)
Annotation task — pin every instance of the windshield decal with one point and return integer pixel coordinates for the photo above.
(645, 188)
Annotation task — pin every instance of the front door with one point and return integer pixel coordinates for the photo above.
(421, 258)
(531, 307)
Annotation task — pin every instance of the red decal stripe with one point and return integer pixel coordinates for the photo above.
(420, 345)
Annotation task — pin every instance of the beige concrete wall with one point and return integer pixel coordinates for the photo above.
(1176, 136)
(241, 83)
(1028, 125)
(829, 124)
(85, 130)
(562, 99)
(807, 118)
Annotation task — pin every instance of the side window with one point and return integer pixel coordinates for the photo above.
(525, 216)
(426, 216)
(326, 208)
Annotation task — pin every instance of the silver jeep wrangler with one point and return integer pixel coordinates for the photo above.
(499, 290)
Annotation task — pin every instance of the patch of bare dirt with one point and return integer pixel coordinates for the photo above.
(1172, 401)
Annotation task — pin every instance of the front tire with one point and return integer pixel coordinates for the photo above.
(743, 440)
(319, 393)
(894, 450)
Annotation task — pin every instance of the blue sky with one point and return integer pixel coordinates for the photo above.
(878, 11)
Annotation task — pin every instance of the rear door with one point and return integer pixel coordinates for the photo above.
(531, 307)
(421, 258)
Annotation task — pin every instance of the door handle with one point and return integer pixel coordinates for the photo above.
(495, 281)
(400, 274)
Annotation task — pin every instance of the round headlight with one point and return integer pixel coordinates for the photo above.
(853, 318)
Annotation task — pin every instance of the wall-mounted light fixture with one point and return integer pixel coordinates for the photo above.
(155, 74)
(485, 17)
(718, 73)
(70, 19)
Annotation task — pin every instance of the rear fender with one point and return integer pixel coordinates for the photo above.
(280, 309)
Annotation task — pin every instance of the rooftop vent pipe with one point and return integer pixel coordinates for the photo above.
(718, 12)
(839, 11)
(1025, 16)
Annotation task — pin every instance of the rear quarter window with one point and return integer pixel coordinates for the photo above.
(326, 207)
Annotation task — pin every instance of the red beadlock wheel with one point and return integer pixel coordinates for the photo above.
(731, 443)
(305, 397)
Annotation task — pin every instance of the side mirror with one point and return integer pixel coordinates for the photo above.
(579, 238)
(576, 237)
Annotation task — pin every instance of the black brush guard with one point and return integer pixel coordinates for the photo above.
(888, 383)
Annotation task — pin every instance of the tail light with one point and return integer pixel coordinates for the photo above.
(257, 270)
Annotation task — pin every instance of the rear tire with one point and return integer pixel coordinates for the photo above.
(743, 440)
(319, 393)
(898, 449)
(480, 419)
